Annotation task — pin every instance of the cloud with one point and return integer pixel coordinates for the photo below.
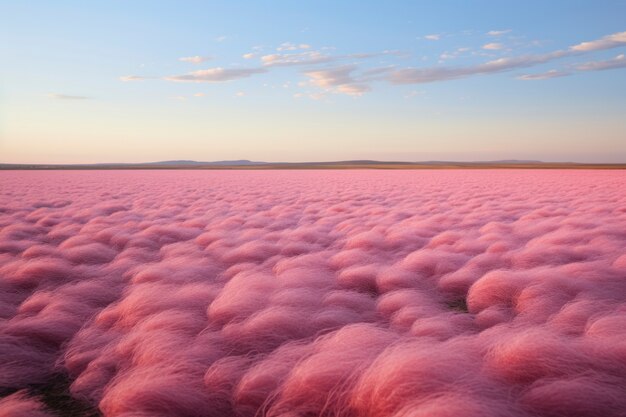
(338, 80)
(445, 73)
(318, 95)
(610, 41)
(493, 46)
(221, 38)
(67, 97)
(498, 32)
(128, 78)
(316, 58)
(454, 54)
(376, 73)
(353, 89)
(617, 62)
(195, 59)
(216, 75)
(301, 58)
(332, 77)
(288, 46)
(544, 75)
(301, 55)
(367, 55)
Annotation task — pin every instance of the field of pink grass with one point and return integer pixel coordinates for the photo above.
(313, 293)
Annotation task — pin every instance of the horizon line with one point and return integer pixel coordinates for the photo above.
(336, 164)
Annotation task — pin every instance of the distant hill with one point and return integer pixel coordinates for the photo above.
(351, 164)
(188, 162)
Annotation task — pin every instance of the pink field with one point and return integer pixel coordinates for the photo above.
(313, 293)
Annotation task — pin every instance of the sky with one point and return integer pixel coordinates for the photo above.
(139, 81)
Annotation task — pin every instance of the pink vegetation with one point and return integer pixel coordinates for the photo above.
(307, 293)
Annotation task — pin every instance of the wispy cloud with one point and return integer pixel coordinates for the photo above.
(216, 75)
(288, 46)
(494, 46)
(446, 73)
(607, 42)
(353, 76)
(67, 97)
(498, 32)
(301, 58)
(316, 57)
(338, 80)
(544, 75)
(197, 59)
(443, 73)
(617, 62)
(128, 78)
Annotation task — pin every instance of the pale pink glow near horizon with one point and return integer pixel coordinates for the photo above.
(335, 293)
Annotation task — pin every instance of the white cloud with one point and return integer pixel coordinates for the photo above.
(316, 57)
(240, 94)
(67, 97)
(216, 75)
(342, 80)
(617, 62)
(354, 89)
(332, 77)
(498, 32)
(543, 75)
(443, 73)
(366, 55)
(452, 55)
(127, 78)
(607, 42)
(288, 46)
(301, 58)
(199, 95)
(338, 80)
(446, 73)
(221, 38)
(494, 46)
(195, 59)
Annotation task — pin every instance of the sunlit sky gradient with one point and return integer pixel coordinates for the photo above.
(136, 81)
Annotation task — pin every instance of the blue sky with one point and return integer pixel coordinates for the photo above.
(295, 81)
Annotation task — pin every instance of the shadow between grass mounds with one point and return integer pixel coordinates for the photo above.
(459, 305)
(55, 395)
